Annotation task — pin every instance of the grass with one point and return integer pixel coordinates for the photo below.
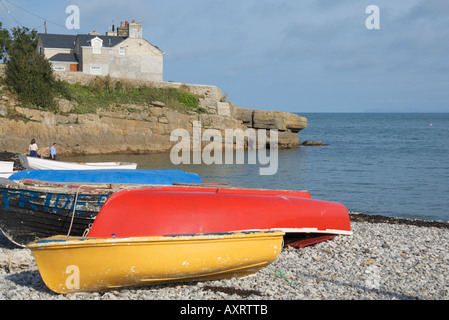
(106, 94)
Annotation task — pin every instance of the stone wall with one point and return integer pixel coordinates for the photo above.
(145, 129)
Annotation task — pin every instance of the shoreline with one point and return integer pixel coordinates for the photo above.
(362, 217)
(380, 261)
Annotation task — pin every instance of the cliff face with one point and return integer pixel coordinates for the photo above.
(134, 129)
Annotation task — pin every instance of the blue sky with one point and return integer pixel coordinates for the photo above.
(295, 56)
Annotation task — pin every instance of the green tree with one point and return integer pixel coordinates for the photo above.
(5, 42)
(28, 73)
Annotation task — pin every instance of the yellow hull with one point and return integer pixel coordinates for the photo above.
(74, 264)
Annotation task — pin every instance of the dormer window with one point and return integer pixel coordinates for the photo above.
(96, 43)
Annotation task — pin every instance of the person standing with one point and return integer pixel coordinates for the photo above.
(53, 151)
(32, 148)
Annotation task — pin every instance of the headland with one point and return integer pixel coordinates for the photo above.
(81, 126)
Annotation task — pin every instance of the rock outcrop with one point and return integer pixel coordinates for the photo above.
(309, 143)
(144, 129)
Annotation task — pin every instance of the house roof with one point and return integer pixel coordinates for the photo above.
(60, 41)
(65, 57)
(64, 41)
(108, 41)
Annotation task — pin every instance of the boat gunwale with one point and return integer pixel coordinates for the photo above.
(58, 242)
(23, 158)
(39, 185)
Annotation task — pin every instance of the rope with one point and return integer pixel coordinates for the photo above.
(86, 232)
(284, 276)
(74, 209)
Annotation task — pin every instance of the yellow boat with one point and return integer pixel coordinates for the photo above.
(80, 264)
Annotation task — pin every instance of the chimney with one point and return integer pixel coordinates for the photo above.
(122, 31)
(135, 30)
(112, 33)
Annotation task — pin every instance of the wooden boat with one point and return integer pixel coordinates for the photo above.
(153, 177)
(73, 265)
(32, 209)
(34, 163)
(147, 211)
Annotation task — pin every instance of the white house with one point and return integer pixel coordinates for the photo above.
(123, 53)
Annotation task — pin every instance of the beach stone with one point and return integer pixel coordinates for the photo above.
(384, 259)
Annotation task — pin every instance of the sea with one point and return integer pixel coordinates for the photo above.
(390, 164)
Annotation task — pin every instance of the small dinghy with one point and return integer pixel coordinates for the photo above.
(34, 163)
(74, 265)
(147, 211)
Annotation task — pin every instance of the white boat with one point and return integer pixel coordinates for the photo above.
(33, 163)
(6, 175)
(6, 166)
(6, 169)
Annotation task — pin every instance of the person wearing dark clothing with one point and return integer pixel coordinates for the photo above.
(32, 148)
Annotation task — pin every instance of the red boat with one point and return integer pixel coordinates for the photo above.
(174, 210)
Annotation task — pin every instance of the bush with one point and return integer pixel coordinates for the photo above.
(28, 73)
(188, 100)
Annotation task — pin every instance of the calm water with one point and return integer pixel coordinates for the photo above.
(389, 164)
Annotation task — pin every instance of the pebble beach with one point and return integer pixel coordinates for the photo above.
(380, 261)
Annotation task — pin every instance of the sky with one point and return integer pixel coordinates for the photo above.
(283, 55)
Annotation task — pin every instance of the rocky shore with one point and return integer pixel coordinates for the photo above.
(134, 127)
(384, 259)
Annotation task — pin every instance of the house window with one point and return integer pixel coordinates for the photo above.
(59, 68)
(95, 70)
(121, 50)
(96, 47)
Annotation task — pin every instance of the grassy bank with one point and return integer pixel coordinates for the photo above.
(107, 94)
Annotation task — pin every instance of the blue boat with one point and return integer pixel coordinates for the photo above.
(154, 177)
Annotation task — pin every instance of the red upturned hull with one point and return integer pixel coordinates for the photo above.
(150, 211)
